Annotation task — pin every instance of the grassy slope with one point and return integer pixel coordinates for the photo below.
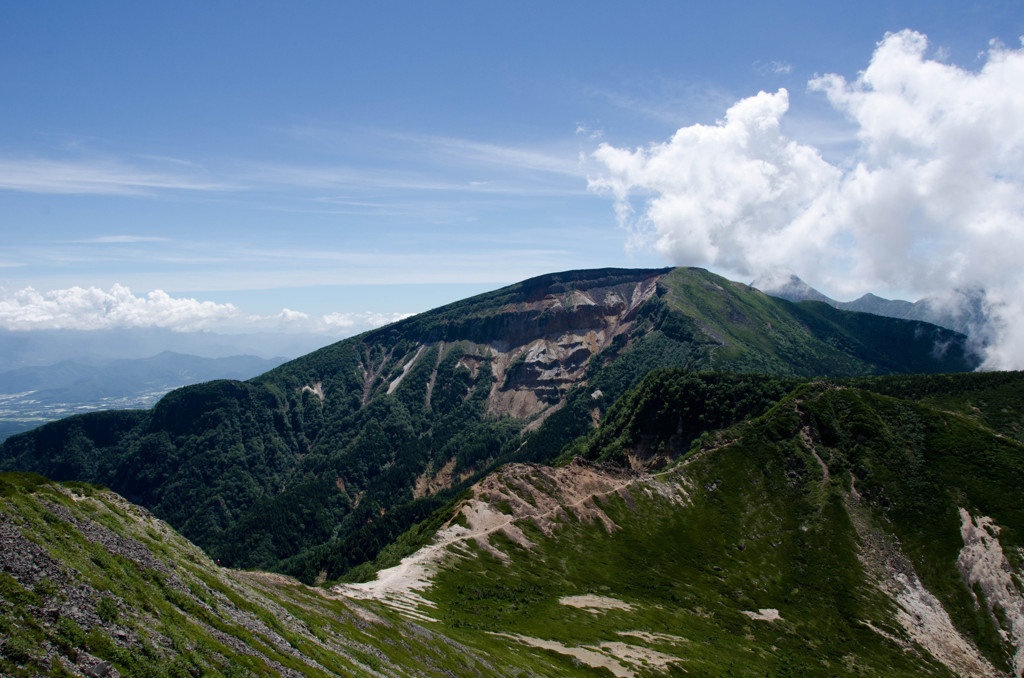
(764, 529)
(250, 471)
(103, 581)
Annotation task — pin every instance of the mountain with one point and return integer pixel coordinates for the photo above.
(39, 348)
(841, 532)
(789, 286)
(964, 312)
(867, 526)
(30, 396)
(94, 586)
(316, 466)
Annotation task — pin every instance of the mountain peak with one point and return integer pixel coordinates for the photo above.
(785, 284)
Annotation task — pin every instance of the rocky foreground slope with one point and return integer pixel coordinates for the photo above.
(314, 467)
(837, 531)
(94, 586)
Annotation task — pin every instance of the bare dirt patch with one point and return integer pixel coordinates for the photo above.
(428, 483)
(764, 614)
(405, 370)
(918, 612)
(621, 659)
(316, 389)
(648, 637)
(524, 492)
(594, 603)
(983, 563)
(543, 494)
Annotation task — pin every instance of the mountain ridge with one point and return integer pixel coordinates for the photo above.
(836, 530)
(964, 312)
(339, 441)
(866, 518)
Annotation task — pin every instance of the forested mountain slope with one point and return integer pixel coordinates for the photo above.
(831, 530)
(315, 466)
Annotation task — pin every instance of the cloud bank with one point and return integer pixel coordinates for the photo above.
(91, 308)
(932, 200)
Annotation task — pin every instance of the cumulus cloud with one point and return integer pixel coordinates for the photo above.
(92, 308)
(737, 194)
(931, 201)
(352, 321)
(78, 308)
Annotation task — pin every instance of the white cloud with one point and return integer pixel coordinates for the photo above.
(494, 155)
(352, 321)
(98, 177)
(931, 199)
(92, 308)
(78, 308)
(121, 239)
(737, 194)
(776, 67)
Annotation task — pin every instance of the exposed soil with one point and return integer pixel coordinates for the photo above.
(621, 659)
(920, 613)
(983, 563)
(764, 614)
(594, 603)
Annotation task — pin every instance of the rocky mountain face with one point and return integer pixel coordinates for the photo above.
(867, 526)
(539, 345)
(314, 467)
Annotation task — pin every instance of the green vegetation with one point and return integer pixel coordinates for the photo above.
(89, 578)
(670, 409)
(316, 466)
(763, 527)
(768, 494)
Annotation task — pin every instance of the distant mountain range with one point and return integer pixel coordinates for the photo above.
(964, 313)
(38, 348)
(31, 396)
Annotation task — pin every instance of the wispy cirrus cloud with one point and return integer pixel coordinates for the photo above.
(389, 183)
(409, 163)
(562, 160)
(121, 239)
(97, 177)
(774, 67)
(665, 100)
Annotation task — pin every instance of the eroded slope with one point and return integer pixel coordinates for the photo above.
(842, 533)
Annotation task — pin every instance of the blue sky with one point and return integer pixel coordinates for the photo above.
(358, 158)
